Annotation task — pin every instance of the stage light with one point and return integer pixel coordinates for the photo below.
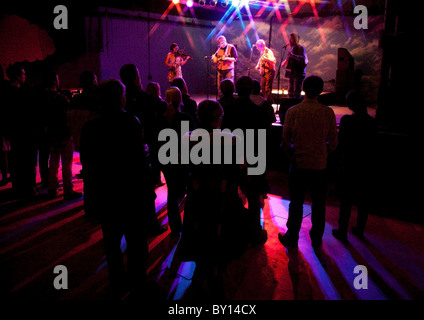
(235, 3)
(212, 3)
(202, 3)
(175, 1)
(244, 3)
(225, 3)
(189, 3)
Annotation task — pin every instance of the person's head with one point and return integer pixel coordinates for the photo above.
(51, 80)
(260, 44)
(88, 81)
(130, 75)
(356, 102)
(16, 73)
(210, 114)
(294, 39)
(153, 88)
(222, 41)
(313, 86)
(244, 86)
(173, 97)
(112, 95)
(227, 87)
(180, 84)
(256, 87)
(174, 47)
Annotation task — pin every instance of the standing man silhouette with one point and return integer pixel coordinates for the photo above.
(295, 64)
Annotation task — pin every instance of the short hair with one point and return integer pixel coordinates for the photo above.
(313, 86)
(244, 86)
(111, 93)
(87, 79)
(128, 74)
(180, 84)
(227, 87)
(221, 37)
(356, 102)
(153, 88)
(206, 110)
(14, 71)
(296, 36)
(49, 78)
(256, 87)
(261, 42)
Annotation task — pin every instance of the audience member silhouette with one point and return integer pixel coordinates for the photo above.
(188, 104)
(21, 130)
(84, 106)
(243, 114)
(159, 107)
(227, 90)
(357, 133)
(59, 137)
(213, 222)
(263, 103)
(309, 135)
(124, 210)
(175, 174)
(4, 142)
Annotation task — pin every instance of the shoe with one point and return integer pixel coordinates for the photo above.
(357, 232)
(72, 196)
(339, 235)
(286, 241)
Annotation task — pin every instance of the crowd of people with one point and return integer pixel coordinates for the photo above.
(114, 126)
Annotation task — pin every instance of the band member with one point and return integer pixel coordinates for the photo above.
(295, 66)
(224, 59)
(266, 65)
(174, 60)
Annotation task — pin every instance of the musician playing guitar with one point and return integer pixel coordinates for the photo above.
(174, 60)
(224, 59)
(266, 65)
(295, 66)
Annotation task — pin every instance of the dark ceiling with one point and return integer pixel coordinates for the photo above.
(324, 7)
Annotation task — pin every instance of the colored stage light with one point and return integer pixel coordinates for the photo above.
(175, 1)
(225, 3)
(189, 3)
(202, 2)
(213, 3)
(235, 3)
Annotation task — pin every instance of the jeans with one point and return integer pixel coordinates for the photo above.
(299, 180)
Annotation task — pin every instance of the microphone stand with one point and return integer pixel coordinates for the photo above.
(250, 61)
(208, 73)
(278, 76)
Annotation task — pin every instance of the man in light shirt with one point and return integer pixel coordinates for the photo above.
(309, 136)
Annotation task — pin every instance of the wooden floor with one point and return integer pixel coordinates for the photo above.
(39, 234)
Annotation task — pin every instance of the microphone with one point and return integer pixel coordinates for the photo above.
(286, 45)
